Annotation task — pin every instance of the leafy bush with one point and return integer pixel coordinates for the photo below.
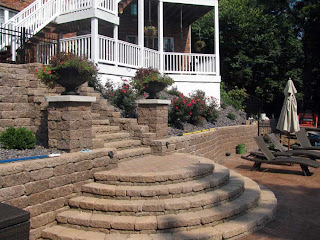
(193, 109)
(124, 98)
(173, 91)
(50, 74)
(145, 75)
(235, 97)
(231, 116)
(20, 138)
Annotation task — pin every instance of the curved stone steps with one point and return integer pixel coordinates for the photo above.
(234, 188)
(236, 226)
(216, 179)
(170, 222)
(129, 173)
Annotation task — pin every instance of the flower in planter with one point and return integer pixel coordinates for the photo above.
(69, 71)
(150, 31)
(151, 81)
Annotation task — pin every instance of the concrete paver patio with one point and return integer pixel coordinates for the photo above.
(298, 216)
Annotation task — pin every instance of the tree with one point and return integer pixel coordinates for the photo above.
(259, 48)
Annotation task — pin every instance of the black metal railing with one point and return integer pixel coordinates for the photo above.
(20, 46)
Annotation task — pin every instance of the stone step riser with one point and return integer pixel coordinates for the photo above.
(98, 123)
(160, 191)
(112, 137)
(105, 129)
(159, 207)
(169, 223)
(121, 145)
(169, 177)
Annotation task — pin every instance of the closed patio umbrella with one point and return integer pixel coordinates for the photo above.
(288, 120)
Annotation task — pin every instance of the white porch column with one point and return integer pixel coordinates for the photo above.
(116, 46)
(13, 48)
(216, 38)
(94, 40)
(141, 31)
(160, 34)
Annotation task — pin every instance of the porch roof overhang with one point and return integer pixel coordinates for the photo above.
(193, 2)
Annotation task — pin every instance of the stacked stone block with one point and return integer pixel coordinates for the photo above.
(154, 114)
(43, 187)
(212, 144)
(70, 125)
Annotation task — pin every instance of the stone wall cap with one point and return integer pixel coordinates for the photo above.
(154, 101)
(70, 98)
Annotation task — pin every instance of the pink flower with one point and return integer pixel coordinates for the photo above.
(201, 108)
(184, 101)
(49, 72)
(153, 77)
(95, 67)
(181, 95)
(143, 87)
(125, 86)
(189, 104)
(190, 113)
(125, 80)
(36, 71)
(123, 90)
(193, 101)
(177, 107)
(144, 95)
(43, 69)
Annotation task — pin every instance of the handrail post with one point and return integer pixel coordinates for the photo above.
(216, 38)
(13, 44)
(116, 44)
(160, 35)
(141, 31)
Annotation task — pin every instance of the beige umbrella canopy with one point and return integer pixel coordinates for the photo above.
(288, 121)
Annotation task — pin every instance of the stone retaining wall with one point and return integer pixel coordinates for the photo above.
(212, 144)
(44, 186)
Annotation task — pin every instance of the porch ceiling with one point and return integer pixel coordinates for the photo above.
(190, 13)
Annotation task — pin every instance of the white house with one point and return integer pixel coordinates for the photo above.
(113, 34)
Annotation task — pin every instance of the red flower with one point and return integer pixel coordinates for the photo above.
(177, 107)
(153, 77)
(181, 95)
(190, 113)
(144, 95)
(43, 69)
(184, 101)
(143, 87)
(123, 90)
(125, 80)
(125, 86)
(189, 104)
(36, 71)
(201, 108)
(49, 72)
(193, 101)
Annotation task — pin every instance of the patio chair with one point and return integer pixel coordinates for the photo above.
(292, 152)
(304, 141)
(268, 158)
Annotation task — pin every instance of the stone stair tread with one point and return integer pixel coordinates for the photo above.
(244, 202)
(103, 122)
(124, 144)
(105, 129)
(183, 203)
(248, 222)
(133, 152)
(113, 136)
(210, 181)
(156, 169)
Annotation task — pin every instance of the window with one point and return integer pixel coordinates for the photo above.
(11, 14)
(168, 44)
(134, 10)
(132, 39)
(1, 15)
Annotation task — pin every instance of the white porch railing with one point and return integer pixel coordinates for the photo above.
(189, 63)
(151, 58)
(41, 12)
(127, 55)
(107, 49)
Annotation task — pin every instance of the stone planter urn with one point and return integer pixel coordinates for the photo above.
(153, 88)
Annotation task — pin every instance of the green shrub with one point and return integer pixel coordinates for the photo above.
(173, 91)
(231, 116)
(235, 97)
(20, 138)
(193, 109)
(124, 98)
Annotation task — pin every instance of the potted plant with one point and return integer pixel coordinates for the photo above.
(151, 81)
(150, 31)
(199, 45)
(69, 71)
